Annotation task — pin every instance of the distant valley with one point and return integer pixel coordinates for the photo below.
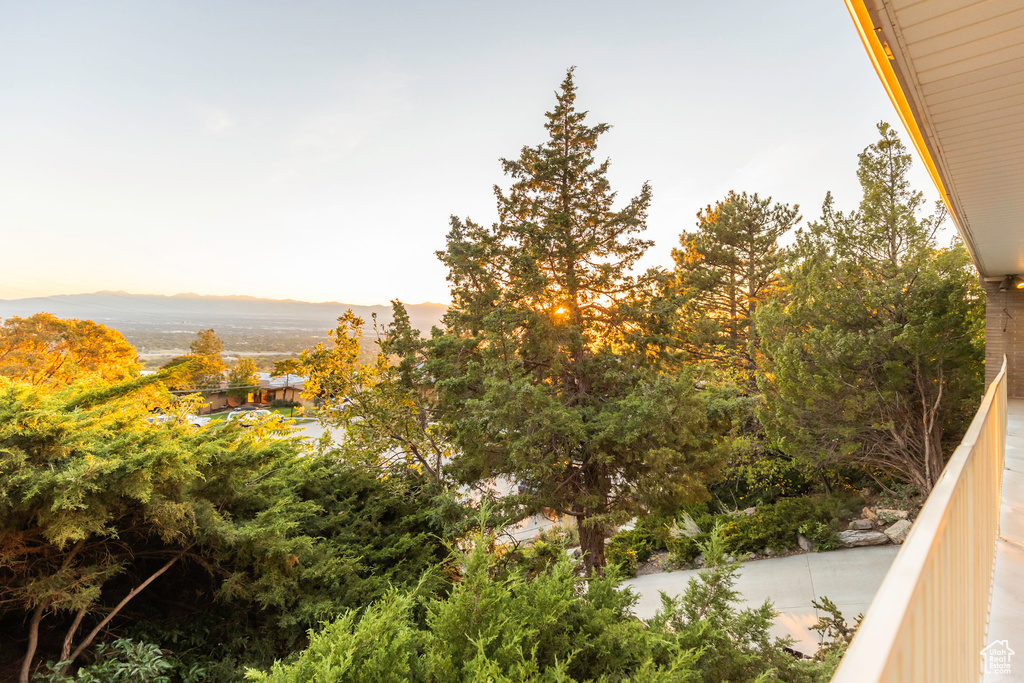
(163, 326)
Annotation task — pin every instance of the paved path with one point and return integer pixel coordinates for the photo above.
(850, 578)
(1006, 617)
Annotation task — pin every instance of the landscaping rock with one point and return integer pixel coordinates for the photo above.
(804, 543)
(861, 524)
(749, 511)
(855, 539)
(730, 559)
(892, 515)
(869, 514)
(768, 552)
(751, 556)
(897, 533)
(698, 561)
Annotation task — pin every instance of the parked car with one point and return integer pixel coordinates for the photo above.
(248, 418)
(196, 420)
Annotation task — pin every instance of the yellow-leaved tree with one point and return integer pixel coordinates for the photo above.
(44, 350)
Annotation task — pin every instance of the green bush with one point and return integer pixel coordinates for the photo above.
(773, 526)
(628, 548)
(281, 403)
(823, 536)
(683, 550)
(120, 661)
(622, 556)
(530, 560)
(497, 626)
(493, 626)
(760, 478)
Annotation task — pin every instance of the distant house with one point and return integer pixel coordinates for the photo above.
(282, 388)
(269, 389)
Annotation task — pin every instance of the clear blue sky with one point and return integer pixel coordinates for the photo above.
(315, 150)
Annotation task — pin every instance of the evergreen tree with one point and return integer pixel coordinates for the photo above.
(243, 379)
(724, 270)
(878, 357)
(542, 374)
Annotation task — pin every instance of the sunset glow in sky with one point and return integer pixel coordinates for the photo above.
(315, 150)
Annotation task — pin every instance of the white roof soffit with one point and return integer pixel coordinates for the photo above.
(954, 69)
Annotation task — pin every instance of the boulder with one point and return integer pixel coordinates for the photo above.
(869, 514)
(804, 543)
(897, 533)
(751, 556)
(854, 539)
(730, 559)
(768, 552)
(698, 561)
(891, 515)
(749, 511)
(861, 524)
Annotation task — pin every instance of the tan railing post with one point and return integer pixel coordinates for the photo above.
(928, 620)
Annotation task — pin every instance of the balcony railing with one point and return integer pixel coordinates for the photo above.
(928, 620)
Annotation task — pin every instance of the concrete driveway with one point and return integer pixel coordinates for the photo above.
(849, 578)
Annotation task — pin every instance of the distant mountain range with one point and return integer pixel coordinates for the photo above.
(163, 326)
(118, 309)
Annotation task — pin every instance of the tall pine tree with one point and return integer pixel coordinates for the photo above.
(877, 360)
(544, 380)
(724, 270)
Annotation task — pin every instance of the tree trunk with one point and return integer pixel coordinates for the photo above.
(99, 627)
(69, 639)
(592, 545)
(934, 453)
(33, 641)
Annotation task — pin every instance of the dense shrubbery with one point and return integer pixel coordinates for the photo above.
(499, 625)
(246, 539)
(772, 526)
(364, 537)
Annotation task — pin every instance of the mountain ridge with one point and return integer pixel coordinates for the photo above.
(124, 309)
(193, 295)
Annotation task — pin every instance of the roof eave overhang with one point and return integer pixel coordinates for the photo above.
(882, 41)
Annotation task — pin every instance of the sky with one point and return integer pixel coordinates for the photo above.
(316, 150)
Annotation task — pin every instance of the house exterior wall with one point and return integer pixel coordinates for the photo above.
(218, 401)
(290, 394)
(1004, 335)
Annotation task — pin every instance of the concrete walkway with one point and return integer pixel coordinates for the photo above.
(849, 578)
(1006, 618)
